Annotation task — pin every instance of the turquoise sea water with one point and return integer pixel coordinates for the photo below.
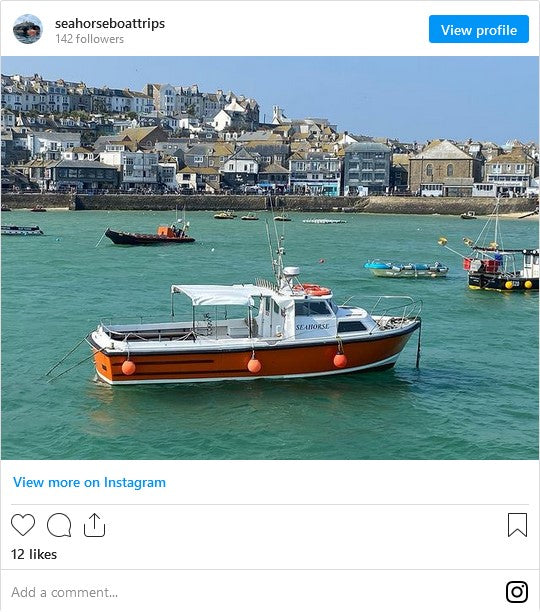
(475, 395)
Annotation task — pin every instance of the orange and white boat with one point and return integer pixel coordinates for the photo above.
(285, 329)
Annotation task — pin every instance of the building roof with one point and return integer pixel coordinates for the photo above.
(139, 133)
(273, 169)
(83, 163)
(202, 170)
(241, 153)
(516, 155)
(60, 136)
(260, 136)
(367, 146)
(79, 150)
(442, 149)
(266, 149)
(211, 148)
(400, 159)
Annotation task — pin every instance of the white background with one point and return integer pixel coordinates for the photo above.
(267, 28)
(261, 535)
(277, 536)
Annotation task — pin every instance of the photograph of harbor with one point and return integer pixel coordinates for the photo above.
(380, 303)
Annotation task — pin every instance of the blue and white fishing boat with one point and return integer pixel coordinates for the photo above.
(410, 270)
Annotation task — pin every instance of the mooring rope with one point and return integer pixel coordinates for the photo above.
(66, 356)
(76, 365)
(418, 346)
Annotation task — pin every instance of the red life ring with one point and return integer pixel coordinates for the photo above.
(312, 289)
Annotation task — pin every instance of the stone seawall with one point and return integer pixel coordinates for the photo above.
(48, 200)
(370, 204)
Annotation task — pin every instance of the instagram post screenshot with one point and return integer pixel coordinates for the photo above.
(269, 306)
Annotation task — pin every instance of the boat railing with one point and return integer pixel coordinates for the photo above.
(153, 328)
(140, 320)
(408, 311)
(266, 284)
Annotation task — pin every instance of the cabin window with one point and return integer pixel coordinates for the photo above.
(309, 309)
(276, 308)
(318, 308)
(350, 326)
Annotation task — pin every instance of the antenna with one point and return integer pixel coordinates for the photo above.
(497, 222)
(280, 251)
(270, 247)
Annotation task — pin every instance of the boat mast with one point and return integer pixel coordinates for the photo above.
(278, 262)
(497, 223)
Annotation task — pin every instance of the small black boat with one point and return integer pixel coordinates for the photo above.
(166, 234)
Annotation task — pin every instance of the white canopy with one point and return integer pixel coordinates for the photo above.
(225, 295)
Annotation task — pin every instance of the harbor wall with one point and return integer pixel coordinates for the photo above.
(369, 204)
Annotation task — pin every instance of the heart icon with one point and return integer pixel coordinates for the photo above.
(23, 523)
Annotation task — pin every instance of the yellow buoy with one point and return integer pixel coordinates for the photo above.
(528, 284)
(508, 285)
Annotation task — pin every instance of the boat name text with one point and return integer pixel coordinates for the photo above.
(303, 326)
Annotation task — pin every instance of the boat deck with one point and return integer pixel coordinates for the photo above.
(176, 332)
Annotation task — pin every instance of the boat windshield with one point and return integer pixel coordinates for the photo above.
(308, 308)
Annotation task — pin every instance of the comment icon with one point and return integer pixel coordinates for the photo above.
(59, 525)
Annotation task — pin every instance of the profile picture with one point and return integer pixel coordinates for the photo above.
(28, 29)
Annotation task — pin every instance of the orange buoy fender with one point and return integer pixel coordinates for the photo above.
(254, 365)
(312, 289)
(128, 367)
(340, 360)
(318, 291)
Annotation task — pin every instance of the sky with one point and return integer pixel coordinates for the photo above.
(410, 98)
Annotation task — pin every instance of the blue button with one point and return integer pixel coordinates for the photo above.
(479, 28)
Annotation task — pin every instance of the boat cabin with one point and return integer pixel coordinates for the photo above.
(531, 264)
(165, 230)
(270, 314)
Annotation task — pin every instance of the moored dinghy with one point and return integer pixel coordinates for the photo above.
(411, 270)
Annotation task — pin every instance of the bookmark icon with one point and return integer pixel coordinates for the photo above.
(517, 523)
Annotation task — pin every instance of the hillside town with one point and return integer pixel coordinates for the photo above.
(60, 136)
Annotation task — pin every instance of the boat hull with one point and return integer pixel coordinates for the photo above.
(203, 365)
(498, 282)
(134, 239)
(410, 273)
(19, 230)
(412, 270)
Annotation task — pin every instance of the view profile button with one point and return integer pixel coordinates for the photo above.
(479, 28)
